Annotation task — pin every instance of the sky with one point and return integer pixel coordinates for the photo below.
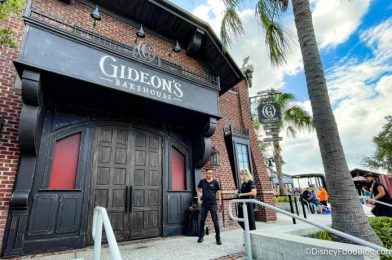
(355, 43)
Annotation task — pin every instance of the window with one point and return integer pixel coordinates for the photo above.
(65, 163)
(243, 157)
(178, 180)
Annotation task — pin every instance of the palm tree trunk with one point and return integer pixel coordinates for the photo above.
(347, 213)
(278, 164)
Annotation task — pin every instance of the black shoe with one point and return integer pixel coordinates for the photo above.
(218, 241)
(200, 240)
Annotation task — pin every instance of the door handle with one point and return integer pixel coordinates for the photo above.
(130, 198)
(126, 199)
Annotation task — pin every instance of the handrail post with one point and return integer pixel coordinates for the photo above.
(97, 234)
(292, 208)
(296, 205)
(303, 205)
(100, 219)
(247, 235)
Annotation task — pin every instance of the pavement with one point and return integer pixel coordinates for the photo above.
(181, 247)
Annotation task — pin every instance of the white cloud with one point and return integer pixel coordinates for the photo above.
(335, 21)
(360, 90)
(364, 89)
(329, 32)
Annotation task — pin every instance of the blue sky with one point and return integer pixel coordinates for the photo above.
(378, 12)
(355, 42)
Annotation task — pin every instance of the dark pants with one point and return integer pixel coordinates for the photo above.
(251, 216)
(213, 209)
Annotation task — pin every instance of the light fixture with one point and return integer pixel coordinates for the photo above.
(176, 48)
(215, 157)
(95, 15)
(140, 33)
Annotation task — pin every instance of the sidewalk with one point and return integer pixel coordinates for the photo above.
(179, 247)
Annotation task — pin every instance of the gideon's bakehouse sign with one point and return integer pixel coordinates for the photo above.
(62, 56)
(138, 80)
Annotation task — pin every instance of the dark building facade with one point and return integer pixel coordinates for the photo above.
(113, 115)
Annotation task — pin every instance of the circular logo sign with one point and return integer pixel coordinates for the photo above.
(146, 51)
(269, 111)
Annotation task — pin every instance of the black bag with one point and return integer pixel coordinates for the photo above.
(191, 225)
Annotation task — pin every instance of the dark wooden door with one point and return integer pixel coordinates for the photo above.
(146, 182)
(110, 176)
(126, 180)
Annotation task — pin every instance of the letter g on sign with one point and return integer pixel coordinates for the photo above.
(146, 51)
(269, 111)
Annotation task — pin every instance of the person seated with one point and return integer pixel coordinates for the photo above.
(312, 200)
(305, 197)
(322, 196)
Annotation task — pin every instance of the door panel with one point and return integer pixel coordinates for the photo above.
(146, 186)
(126, 180)
(109, 180)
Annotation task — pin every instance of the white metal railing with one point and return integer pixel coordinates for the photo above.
(376, 201)
(100, 219)
(331, 230)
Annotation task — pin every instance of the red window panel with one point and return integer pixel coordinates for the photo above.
(178, 170)
(65, 163)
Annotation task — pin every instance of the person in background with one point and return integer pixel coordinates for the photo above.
(207, 190)
(366, 193)
(379, 193)
(322, 196)
(248, 191)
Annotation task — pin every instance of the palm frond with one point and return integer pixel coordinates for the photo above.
(231, 25)
(298, 118)
(291, 131)
(284, 99)
(278, 46)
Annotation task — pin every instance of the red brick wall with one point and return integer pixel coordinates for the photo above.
(234, 106)
(79, 15)
(10, 107)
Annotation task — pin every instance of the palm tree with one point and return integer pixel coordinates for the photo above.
(293, 118)
(348, 215)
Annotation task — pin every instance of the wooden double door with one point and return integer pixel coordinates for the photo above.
(127, 181)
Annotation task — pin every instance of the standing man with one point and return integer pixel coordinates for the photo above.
(206, 195)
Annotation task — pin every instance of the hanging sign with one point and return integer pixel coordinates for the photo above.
(269, 113)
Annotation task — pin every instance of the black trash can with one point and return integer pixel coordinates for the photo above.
(191, 224)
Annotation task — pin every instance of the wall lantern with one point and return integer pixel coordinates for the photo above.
(95, 15)
(140, 33)
(215, 157)
(176, 48)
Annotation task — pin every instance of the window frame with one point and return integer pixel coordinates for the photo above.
(184, 152)
(242, 141)
(79, 182)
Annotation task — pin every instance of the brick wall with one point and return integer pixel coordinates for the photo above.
(78, 14)
(10, 107)
(235, 107)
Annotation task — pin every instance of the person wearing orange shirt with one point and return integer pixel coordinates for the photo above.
(322, 195)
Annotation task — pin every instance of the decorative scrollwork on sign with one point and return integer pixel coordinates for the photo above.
(146, 51)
